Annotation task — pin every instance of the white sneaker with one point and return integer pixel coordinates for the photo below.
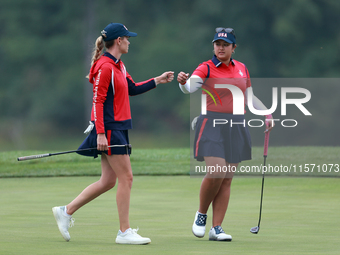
(63, 221)
(217, 234)
(198, 228)
(130, 236)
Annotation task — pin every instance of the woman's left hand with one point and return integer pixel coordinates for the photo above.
(165, 77)
(102, 144)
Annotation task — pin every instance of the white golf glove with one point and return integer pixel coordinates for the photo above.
(89, 128)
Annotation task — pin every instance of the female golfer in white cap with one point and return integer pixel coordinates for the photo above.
(111, 119)
(220, 146)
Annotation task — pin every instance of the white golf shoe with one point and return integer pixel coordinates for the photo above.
(63, 221)
(217, 234)
(198, 228)
(130, 236)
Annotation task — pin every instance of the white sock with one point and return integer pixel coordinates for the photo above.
(65, 211)
(124, 231)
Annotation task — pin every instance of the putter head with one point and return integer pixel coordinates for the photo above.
(255, 230)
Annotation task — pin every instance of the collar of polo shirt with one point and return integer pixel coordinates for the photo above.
(217, 63)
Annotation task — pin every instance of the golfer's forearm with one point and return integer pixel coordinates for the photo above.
(192, 84)
(183, 89)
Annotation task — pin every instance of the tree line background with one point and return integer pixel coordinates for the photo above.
(46, 45)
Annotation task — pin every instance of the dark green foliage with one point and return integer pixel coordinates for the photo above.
(45, 48)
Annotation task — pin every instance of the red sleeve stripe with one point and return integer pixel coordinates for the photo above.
(109, 152)
(200, 135)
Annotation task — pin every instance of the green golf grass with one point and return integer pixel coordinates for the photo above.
(170, 162)
(300, 216)
(300, 213)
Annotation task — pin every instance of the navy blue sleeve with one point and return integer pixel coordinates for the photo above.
(141, 87)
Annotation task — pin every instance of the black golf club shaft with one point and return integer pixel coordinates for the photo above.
(128, 146)
(255, 230)
(264, 164)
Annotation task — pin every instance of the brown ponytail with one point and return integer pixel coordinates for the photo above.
(98, 49)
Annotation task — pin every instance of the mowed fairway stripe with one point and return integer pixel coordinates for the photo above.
(300, 216)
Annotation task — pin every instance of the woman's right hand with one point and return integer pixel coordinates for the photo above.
(182, 77)
(102, 142)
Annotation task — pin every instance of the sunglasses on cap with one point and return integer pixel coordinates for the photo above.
(227, 30)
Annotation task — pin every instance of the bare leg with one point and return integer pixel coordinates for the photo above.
(106, 182)
(122, 167)
(211, 184)
(221, 201)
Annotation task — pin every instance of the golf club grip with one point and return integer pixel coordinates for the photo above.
(266, 142)
(34, 157)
